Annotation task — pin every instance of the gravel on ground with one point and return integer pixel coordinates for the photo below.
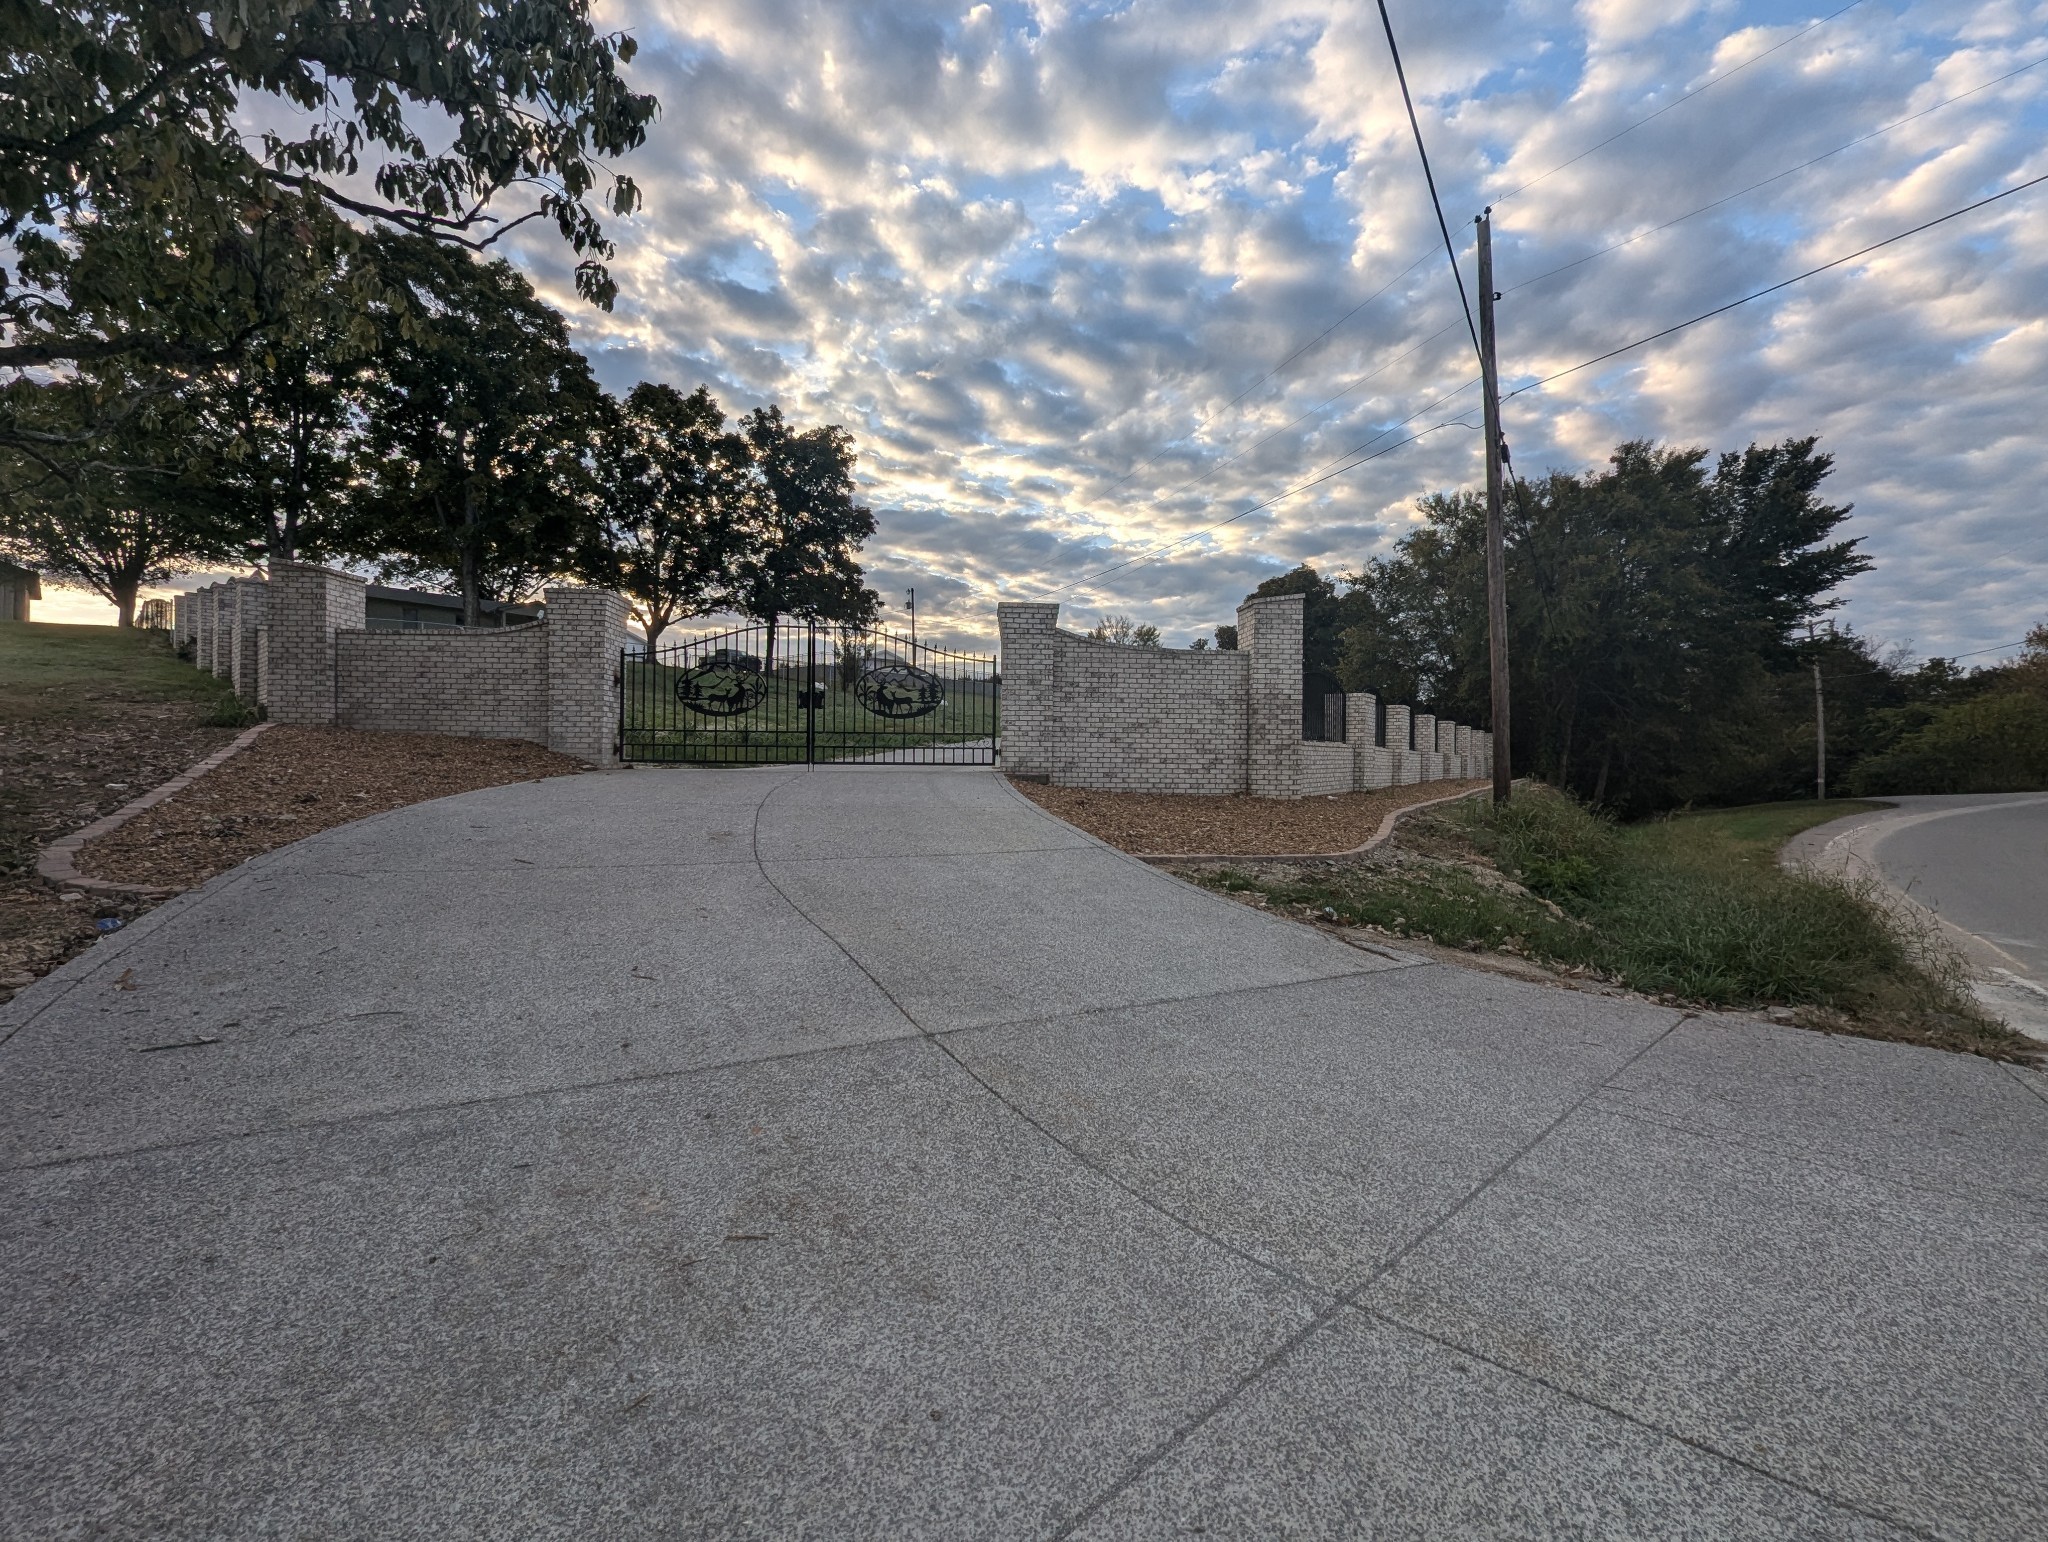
(296, 782)
(1181, 824)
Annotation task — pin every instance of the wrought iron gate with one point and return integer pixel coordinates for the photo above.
(807, 693)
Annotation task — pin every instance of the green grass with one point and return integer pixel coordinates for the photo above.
(658, 727)
(50, 672)
(1693, 909)
(1766, 827)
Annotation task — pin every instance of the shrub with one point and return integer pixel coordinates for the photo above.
(1996, 743)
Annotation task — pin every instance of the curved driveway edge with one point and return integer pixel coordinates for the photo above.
(862, 1152)
(1974, 868)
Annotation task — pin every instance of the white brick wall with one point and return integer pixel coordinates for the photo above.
(1327, 768)
(485, 684)
(1089, 714)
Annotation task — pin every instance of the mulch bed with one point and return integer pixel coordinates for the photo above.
(58, 775)
(296, 782)
(1178, 824)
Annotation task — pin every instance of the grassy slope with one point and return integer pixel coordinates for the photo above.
(90, 716)
(1694, 909)
(54, 673)
(1767, 826)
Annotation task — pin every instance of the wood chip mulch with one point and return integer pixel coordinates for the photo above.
(296, 782)
(1178, 824)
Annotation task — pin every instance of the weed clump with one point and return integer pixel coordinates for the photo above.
(1686, 908)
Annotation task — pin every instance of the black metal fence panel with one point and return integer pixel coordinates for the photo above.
(807, 694)
(1317, 687)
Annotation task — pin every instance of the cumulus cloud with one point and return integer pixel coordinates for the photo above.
(1044, 258)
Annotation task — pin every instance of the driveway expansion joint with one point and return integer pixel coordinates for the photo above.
(937, 1041)
(1351, 1296)
(1650, 1426)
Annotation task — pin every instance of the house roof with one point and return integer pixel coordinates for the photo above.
(14, 570)
(428, 599)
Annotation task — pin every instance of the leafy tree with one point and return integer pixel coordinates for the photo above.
(275, 426)
(97, 498)
(1124, 632)
(1226, 638)
(481, 417)
(1990, 737)
(674, 492)
(120, 105)
(804, 528)
(1322, 618)
(1652, 606)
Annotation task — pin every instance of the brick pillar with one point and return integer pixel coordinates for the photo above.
(586, 630)
(306, 605)
(223, 664)
(1269, 629)
(244, 664)
(181, 621)
(1029, 704)
(1401, 748)
(202, 627)
(1362, 733)
(1461, 745)
(1428, 767)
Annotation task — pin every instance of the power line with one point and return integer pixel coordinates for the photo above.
(1442, 225)
(1722, 310)
(1949, 658)
(1549, 273)
(1667, 107)
(1776, 176)
(1428, 176)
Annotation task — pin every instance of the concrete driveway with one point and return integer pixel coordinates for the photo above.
(1977, 866)
(862, 1153)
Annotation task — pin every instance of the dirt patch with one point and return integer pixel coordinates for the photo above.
(90, 719)
(1177, 824)
(296, 782)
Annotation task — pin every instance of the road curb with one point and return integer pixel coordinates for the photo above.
(57, 863)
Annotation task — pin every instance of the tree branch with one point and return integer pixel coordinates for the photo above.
(118, 118)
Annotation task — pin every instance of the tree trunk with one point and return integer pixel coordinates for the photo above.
(472, 582)
(769, 662)
(124, 600)
(1600, 782)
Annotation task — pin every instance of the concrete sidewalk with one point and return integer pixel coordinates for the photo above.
(862, 1153)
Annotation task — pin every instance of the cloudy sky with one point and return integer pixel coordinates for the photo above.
(1086, 280)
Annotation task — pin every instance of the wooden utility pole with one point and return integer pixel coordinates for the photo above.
(1820, 739)
(1496, 557)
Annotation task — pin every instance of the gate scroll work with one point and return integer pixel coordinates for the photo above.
(802, 693)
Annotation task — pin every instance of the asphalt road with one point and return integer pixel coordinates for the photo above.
(861, 1152)
(1984, 868)
(1980, 864)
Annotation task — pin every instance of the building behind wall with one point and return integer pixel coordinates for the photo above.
(420, 610)
(18, 586)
